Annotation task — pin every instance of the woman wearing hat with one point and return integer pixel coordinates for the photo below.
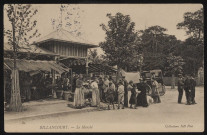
(79, 95)
(95, 93)
(133, 99)
(142, 96)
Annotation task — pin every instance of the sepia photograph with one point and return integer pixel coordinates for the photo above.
(103, 68)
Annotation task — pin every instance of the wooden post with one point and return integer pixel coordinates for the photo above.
(4, 93)
(53, 84)
(71, 82)
(87, 66)
(173, 81)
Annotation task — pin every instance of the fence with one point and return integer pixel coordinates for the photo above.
(167, 81)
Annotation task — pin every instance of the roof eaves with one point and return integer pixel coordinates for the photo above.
(50, 39)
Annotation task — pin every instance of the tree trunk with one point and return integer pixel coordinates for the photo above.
(173, 81)
(15, 101)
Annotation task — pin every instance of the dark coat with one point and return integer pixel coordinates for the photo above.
(142, 96)
(133, 95)
(180, 83)
(192, 84)
(110, 95)
(74, 84)
(187, 84)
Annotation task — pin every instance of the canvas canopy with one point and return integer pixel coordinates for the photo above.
(31, 65)
(131, 76)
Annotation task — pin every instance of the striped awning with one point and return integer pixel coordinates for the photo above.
(32, 65)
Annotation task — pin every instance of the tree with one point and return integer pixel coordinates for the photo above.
(94, 58)
(175, 66)
(156, 46)
(121, 44)
(69, 19)
(193, 24)
(22, 30)
(192, 49)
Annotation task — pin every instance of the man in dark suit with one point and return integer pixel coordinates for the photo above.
(180, 88)
(187, 90)
(192, 88)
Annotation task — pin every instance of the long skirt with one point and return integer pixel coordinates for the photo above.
(78, 97)
(142, 100)
(110, 98)
(95, 97)
(133, 99)
(126, 99)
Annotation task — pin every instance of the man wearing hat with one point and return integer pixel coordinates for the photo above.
(180, 88)
(192, 88)
(187, 90)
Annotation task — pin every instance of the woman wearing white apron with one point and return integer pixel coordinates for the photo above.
(95, 93)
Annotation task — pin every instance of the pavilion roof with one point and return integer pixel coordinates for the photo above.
(29, 49)
(62, 35)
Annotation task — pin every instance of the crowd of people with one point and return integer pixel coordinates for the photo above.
(186, 84)
(105, 89)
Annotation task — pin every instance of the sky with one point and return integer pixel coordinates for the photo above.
(144, 15)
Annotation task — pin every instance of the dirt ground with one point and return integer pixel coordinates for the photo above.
(168, 116)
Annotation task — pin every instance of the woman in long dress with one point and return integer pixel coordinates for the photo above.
(79, 94)
(142, 96)
(133, 99)
(95, 93)
(155, 92)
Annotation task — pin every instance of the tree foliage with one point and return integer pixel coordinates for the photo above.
(69, 19)
(156, 45)
(120, 45)
(175, 64)
(21, 18)
(192, 49)
(193, 24)
(94, 57)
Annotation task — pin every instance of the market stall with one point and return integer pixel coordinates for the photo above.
(34, 73)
